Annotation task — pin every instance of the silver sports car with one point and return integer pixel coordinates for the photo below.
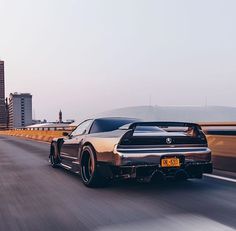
(104, 149)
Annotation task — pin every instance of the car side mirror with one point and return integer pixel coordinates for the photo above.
(65, 134)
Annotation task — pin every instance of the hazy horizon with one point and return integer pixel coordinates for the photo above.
(87, 57)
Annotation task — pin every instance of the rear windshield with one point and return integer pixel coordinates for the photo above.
(107, 125)
(164, 131)
(144, 129)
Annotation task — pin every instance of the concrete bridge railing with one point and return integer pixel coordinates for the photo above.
(45, 136)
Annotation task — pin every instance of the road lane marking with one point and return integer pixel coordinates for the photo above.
(221, 178)
(66, 166)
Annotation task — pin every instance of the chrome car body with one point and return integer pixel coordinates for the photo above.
(128, 148)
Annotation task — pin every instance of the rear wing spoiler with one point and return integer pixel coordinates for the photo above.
(191, 134)
(161, 124)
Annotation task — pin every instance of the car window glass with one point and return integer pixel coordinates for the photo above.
(81, 128)
(106, 125)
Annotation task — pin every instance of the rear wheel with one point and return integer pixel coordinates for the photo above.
(89, 169)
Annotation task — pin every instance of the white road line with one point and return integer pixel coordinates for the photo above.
(221, 178)
(66, 166)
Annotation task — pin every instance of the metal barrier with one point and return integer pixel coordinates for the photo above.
(221, 139)
(51, 128)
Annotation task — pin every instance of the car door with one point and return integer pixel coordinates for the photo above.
(71, 144)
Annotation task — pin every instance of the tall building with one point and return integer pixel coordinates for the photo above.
(20, 110)
(3, 113)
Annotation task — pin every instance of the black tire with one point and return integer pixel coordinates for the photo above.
(89, 169)
(54, 156)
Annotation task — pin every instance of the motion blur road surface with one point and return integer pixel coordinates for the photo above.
(34, 196)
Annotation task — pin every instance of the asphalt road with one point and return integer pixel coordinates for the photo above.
(34, 196)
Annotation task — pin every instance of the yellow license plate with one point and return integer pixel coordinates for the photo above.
(170, 162)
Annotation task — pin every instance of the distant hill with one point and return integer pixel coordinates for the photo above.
(185, 113)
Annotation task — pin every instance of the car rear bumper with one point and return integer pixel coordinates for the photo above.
(146, 162)
(153, 156)
(190, 170)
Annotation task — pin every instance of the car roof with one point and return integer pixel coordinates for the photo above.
(116, 118)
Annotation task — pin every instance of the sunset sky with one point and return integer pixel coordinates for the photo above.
(85, 57)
